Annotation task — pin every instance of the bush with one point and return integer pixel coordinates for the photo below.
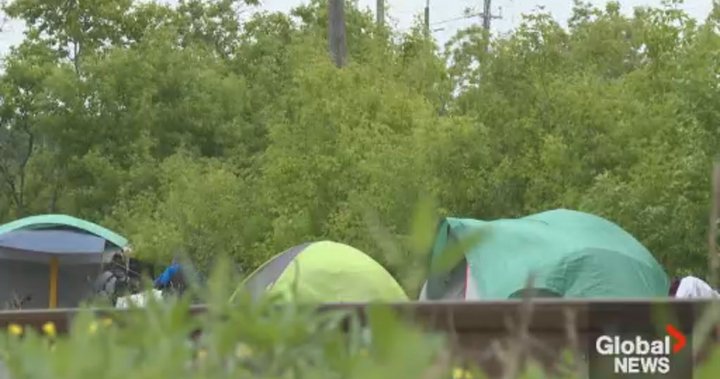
(245, 339)
(261, 340)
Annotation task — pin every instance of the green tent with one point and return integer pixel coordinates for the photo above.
(325, 272)
(54, 221)
(569, 254)
(51, 260)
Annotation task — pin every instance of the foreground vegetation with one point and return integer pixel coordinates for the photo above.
(264, 339)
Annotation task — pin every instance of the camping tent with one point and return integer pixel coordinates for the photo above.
(569, 254)
(52, 260)
(325, 272)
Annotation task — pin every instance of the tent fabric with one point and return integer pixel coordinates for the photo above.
(67, 258)
(58, 221)
(262, 278)
(692, 287)
(53, 241)
(21, 279)
(452, 285)
(456, 285)
(72, 240)
(326, 271)
(471, 292)
(569, 253)
(26, 246)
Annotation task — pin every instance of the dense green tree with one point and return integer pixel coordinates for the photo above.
(205, 129)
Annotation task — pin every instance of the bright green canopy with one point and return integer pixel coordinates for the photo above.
(323, 272)
(570, 253)
(54, 220)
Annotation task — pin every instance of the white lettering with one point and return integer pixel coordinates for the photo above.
(627, 347)
(637, 355)
(604, 345)
(645, 365)
(634, 365)
(621, 365)
(659, 348)
(642, 347)
(663, 365)
(649, 365)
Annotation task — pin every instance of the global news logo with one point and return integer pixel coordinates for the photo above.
(639, 355)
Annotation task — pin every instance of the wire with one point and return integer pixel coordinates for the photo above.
(456, 19)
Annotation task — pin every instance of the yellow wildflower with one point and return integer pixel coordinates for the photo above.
(15, 329)
(242, 351)
(107, 321)
(49, 329)
(202, 354)
(93, 327)
(459, 373)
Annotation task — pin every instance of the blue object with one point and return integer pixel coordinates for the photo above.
(167, 275)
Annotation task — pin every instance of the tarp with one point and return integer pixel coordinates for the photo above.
(571, 254)
(52, 260)
(58, 221)
(73, 240)
(52, 241)
(325, 271)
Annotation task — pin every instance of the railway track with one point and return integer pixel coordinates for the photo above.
(547, 326)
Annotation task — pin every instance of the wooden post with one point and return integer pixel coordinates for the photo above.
(336, 32)
(427, 18)
(713, 259)
(487, 15)
(380, 12)
(54, 271)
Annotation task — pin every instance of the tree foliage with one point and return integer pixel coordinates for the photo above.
(206, 129)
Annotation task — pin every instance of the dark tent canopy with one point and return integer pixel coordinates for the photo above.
(52, 260)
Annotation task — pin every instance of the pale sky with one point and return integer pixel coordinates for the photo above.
(402, 12)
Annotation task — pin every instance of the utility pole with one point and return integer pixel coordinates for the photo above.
(714, 259)
(427, 17)
(336, 32)
(380, 12)
(487, 15)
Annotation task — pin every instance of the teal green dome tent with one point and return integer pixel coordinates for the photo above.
(49, 261)
(324, 272)
(569, 254)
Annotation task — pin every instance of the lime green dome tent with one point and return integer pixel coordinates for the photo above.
(569, 254)
(325, 272)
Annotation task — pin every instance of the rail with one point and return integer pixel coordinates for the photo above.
(544, 315)
(549, 325)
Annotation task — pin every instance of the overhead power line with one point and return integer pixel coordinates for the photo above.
(486, 16)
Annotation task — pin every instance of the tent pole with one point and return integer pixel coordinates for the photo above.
(54, 268)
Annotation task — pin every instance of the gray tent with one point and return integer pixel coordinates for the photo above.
(51, 261)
